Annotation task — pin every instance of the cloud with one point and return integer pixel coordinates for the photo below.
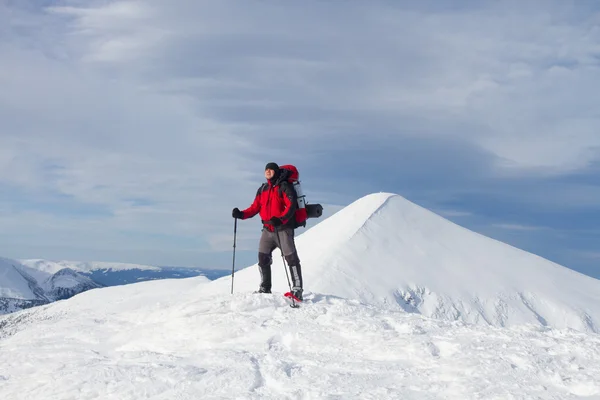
(518, 227)
(454, 213)
(595, 255)
(157, 118)
(447, 68)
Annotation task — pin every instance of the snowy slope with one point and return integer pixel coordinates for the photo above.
(66, 278)
(67, 283)
(385, 250)
(12, 283)
(19, 288)
(172, 340)
(17, 281)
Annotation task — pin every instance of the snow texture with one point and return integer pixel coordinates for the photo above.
(167, 340)
(373, 272)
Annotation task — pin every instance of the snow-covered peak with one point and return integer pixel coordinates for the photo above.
(67, 283)
(383, 249)
(68, 278)
(13, 284)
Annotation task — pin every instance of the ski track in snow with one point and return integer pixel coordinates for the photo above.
(249, 346)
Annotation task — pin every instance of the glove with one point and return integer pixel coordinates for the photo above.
(236, 213)
(276, 221)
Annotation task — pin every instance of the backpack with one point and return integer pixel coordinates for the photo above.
(304, 210)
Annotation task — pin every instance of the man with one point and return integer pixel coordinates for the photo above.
(276, 201)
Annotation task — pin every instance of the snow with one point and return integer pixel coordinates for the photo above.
(53, 267)
(167, 339)
(65, 281)
(485, 321)
(23, 287)
(383, 249)
(12, 283)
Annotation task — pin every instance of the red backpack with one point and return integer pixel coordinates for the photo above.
(304, 210)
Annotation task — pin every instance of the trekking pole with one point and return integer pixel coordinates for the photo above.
(233, 266)
(284, 267)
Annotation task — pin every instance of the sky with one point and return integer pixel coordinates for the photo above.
(130, 129)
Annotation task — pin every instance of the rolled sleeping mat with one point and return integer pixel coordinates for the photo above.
(314, 210)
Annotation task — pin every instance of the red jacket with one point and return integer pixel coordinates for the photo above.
(274, 200)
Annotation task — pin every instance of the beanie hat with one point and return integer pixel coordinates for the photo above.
(272, 166)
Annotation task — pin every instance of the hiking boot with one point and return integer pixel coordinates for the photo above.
(298, 294)
(263, 290)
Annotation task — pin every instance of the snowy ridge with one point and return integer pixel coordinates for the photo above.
(82, 266)
(16, 282)
(170, 339)
(385, 250)
(67, 283)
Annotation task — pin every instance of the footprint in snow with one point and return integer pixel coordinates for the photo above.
(433, 349)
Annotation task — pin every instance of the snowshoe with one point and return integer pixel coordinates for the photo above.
(295, 296)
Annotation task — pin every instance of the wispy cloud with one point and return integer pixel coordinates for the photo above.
(594, 255)
(162, 115)
(454, 213)
(518, 227)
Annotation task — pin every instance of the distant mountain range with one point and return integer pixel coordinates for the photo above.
(34, 282)
(113, 274)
